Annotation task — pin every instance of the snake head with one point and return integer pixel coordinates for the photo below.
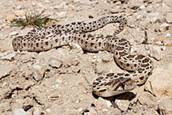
(113, 85)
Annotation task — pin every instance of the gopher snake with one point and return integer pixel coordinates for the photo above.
(138, 67)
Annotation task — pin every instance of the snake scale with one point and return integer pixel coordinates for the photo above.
(138, 67)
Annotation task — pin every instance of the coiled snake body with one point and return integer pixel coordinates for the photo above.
(138, 67)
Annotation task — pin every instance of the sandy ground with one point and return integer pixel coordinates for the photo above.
(57, 82)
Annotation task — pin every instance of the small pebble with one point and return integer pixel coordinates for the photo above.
(54, 63)
(19, 112)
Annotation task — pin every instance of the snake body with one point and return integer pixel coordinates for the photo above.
(138, 67)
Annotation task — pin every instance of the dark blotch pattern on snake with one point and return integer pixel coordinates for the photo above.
(138, 67)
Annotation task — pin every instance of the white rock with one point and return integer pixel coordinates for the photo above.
(104, 63)
(7, 56)
(61, 14)
(36, 111)
(108, 103)
(102, 104)
(5, 69)
(151, 112)
(142, 6)
(92, 111)
(104, 107)
(4, 106)
(61, 6)
(146, 98)
(54, 63)
(168, 35)
(19, 111)
(161, 79)
(165, 106)
(13, 33)
(152, 17)
(169, 17)
(85, 2)
(19, 7)
(39, 71)
(47, 1)
(122, 104)
(48, 110)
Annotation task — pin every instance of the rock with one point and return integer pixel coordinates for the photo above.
(168, 35)
(153, 17)
(61, 6)
(76, 48)
(135, 4)
(169, 17)
(104, 107)
(47, 1)
(165, 106)
(39, 71)
(4, 106)
(11, 17)
(101, 103)
(20, 13)
(1, 35)
(27, 104)
(36, 111)
(122, 104)
(56, 85)
(89, 111)
(14, 33)
(139, 109)
(19, 111)
(86, 2)
(154, 51)
(25, 57)
(150, 112)
(147, 111)
(62, 55)
(160, 81)
(62, 14)
(106, 57)
(7, 56)
(19, 7)
(165, 27)
(5, 69)
(104, 63)
(55, 63)
(147, 99)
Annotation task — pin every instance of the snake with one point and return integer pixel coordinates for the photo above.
(137, 67)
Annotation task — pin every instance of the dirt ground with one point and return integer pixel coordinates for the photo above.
(58, 81)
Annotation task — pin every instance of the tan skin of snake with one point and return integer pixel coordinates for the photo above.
(138, 67)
